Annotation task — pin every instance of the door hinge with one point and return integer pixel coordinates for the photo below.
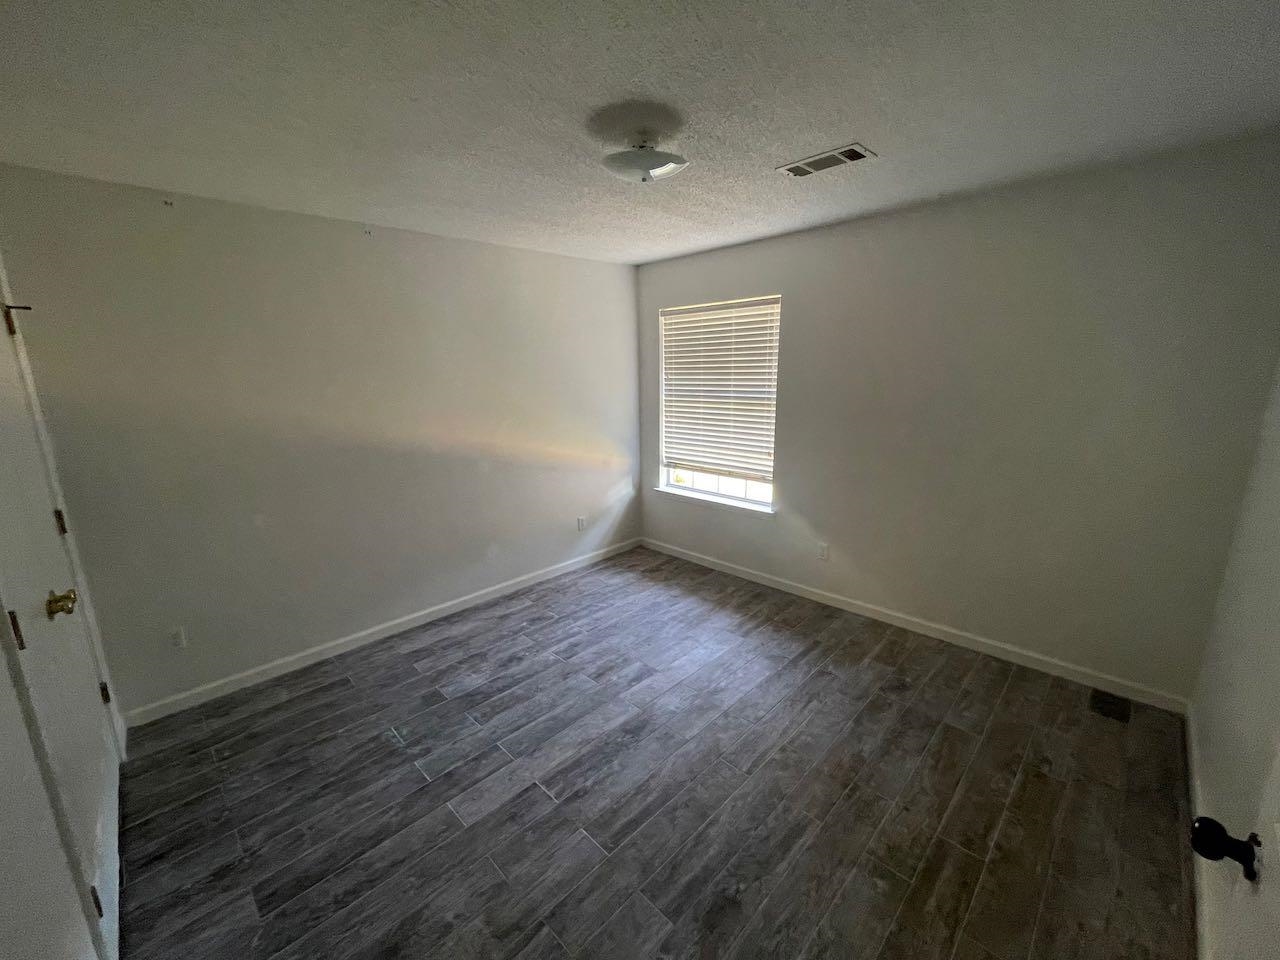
(97, 901)
(17, 630)
(60, 519)
(105, 691)
(8, 317)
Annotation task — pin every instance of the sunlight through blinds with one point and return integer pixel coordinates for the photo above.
(719, 386)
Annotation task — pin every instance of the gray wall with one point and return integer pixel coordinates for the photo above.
(1025, 415)
(1235, 722)
(277, 431)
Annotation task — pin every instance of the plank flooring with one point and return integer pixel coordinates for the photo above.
(647, 758)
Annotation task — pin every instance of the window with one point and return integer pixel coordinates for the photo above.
(719, 387)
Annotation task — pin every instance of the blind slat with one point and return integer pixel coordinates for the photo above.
(719, 386)
(690, 341)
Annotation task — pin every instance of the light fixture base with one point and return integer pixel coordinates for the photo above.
(644, 162)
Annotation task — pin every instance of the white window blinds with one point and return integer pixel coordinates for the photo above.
(719, 387)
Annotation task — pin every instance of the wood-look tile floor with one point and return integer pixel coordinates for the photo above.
(647, 758)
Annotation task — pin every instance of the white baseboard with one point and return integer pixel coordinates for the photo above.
(1005, 651)
(296, 661)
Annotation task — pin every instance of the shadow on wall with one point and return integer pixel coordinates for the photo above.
(262, 539)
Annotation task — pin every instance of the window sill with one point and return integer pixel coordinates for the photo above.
(711, 498)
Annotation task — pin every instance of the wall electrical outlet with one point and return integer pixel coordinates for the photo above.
(582, 523)
(824, 551)
(178, 637)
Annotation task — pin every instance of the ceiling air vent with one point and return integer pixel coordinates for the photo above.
(825, 161)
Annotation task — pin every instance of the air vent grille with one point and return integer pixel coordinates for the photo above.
(839, 157)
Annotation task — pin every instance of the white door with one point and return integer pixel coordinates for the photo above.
(54, 661)
(42, 913)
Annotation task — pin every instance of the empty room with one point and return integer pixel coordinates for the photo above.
(541, 480)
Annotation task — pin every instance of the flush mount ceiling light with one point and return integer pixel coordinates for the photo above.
(644, 162)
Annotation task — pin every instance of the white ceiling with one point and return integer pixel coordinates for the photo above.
(469, 119)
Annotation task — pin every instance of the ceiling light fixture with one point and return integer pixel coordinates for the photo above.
(644, 162)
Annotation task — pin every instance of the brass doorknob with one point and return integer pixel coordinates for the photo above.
(60, 603)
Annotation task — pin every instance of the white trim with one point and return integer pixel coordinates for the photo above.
(295, 661)
(751, 506)
(1200, 878)
(996, 648)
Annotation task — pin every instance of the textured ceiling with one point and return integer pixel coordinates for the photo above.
(470, 119)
